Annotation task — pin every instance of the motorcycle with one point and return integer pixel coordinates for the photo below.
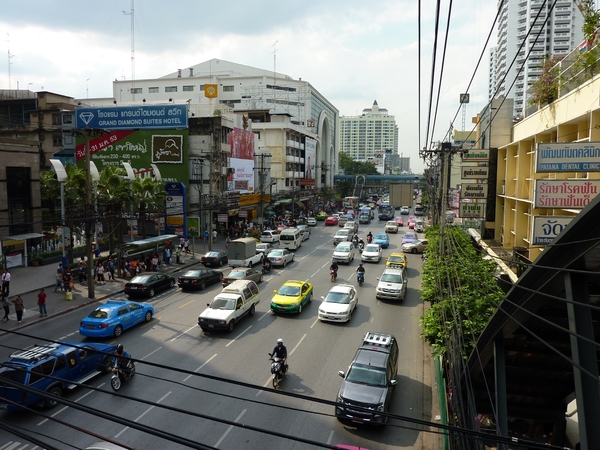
(333, 274)
(361, 247)
(360, 277)
(355, 241)
(369, 239)
(120, 375)
(277, 370)
(266, 268)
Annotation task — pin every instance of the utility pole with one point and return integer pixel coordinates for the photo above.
(261, 174)
(88, 226)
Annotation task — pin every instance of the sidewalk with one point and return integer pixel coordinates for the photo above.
(27, 282)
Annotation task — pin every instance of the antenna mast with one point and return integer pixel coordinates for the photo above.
(274, 71)
(9, 63)
(132, 14)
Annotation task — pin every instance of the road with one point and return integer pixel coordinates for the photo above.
(317, 351)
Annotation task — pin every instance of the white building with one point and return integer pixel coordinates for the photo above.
(561, 34)
(370, 135)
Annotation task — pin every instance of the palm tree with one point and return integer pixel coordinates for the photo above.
(148, 196)
(113, 194)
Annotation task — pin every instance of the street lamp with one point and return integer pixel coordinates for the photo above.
(130, 176)
(62, 177)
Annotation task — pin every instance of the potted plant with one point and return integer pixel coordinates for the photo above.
(37, 261)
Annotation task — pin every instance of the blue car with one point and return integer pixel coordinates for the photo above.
(113, 317)
(382, 239)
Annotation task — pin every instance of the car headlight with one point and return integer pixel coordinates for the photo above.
(381, 408)
(340, 400)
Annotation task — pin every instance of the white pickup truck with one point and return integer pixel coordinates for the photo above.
(242, 252)
(232, 304)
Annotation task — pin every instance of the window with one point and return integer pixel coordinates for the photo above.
(136, 90)
(56, 119)
(153, 90)
(170, 88)
(67, 118)
(188, 88)
(227, 88)
(38, 372)
(201, 87)
(57, 140)
(122, 311)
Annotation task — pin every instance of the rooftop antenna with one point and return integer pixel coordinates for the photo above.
(10, 55)
(274, 70)
(131, 13)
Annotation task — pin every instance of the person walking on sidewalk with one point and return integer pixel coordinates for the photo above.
(59, 281)
(68, 281)
(214, 233)
(82, 269)
(111, 269)
(5, 282)
(100, 272)
(42, 303)
(19, 307)
(6, 306)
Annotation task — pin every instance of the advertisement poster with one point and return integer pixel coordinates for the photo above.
(573, 194)
(310, 148)
(241, 143)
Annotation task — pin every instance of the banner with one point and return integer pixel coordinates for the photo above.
(241, 143)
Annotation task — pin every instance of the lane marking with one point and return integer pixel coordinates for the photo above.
(65, 407)
(200, 368)
(185, 304)
(268, 313)
(330, 437)
(297, 345)
(238, 336)
(151, 353)
(315, 322)
(184, 333)
(143, 414)
(230, 428)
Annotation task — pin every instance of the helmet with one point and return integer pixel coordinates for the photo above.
(120, 348)
(280, 341)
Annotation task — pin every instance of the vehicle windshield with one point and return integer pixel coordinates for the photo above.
(410, 236)
(391, 278)
(237, 273)
(372, 376)
(381, 236)
(227, 304)
(372, 248)
(141, 279)
(337, 297)
(393, 258)
(192, 273)
(392, 223)
(212, 254)
(342, 248)
(342, 232)
(289, 291)
(99, 314)
(276, 253)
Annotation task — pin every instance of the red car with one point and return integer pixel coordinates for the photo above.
(411, 222)
(399, 221)
(280, 228)
(331, 220)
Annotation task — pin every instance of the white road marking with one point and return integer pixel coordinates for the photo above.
(268, 313)
(297, 345)
(330, 437)
(200, 368)
(230, 428)
(143, 414)
(184, 333)
(238, 336)
(151, 353)
(76, 401)
(68, 335)
(315, 322)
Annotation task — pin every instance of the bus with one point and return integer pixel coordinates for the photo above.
(386, 212)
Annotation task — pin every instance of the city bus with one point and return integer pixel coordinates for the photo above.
(386, 212)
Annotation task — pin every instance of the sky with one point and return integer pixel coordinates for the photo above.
(353, 52)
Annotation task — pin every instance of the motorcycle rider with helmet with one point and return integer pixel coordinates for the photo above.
(334, 266)
(280, 351)
(121, 359)
(369, 237)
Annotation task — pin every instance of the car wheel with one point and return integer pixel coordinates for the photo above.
(171, 284)
(230, 327)
(260, 278)
(57, 392)
(414, 251)
(300, 309)
(252, 310)
(118, 331)
(151, 293)
(284, 263)
(203, 285)
(106, 364)
(148, 316)
(221, 262)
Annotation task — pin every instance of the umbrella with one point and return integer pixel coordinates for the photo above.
(269, 212)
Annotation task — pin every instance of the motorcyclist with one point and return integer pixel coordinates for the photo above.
(266, 262)
(369, 237)
(334, 266)
(360, 269)
(355, 239)
(121, 359)
(280, 351)
(361, 243)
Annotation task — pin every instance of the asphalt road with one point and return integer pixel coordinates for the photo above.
(317, 351)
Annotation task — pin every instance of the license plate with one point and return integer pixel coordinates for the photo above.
(186, 281)
(91, 326)
(133, 288)
(282, 309)
(211, 326)
(357, 420)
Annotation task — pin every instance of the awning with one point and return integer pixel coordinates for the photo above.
(269, 212)
(285, 201)
(21, 237)
(300, 205)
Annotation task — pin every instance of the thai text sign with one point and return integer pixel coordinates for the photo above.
(565, 193)
(471, 210)
(568, 157)
(476, 155)
(132, 117)
(474, 172)
(546, 228)
(472, 190)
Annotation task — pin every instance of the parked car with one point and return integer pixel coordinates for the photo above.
(418, 246)
(399, 221)
(199, 279)
(391, 226)
(382, 239)
(331, 220)
(392, 285)
(148, 284)
(113, 317)
(371, 253)
(344, 252)
(404, 210)
(311, 221)
(292, 296)
(408, 237)
(369, 381)
(215, 258)
(397, 260)
(339, 304)
(242, 273)
(264, 247)
(280, 257)
(269, 236)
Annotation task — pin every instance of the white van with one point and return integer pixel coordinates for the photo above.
(291, 238)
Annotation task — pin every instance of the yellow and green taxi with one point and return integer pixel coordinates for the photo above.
(322, 215)
(396, 260)
(292, 296)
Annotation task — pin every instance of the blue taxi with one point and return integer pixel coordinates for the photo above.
(382, 239)
(111, 318)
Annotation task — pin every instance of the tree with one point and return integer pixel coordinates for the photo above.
(148, 196)
(352, 167)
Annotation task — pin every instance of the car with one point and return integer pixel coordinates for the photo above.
(269, 236)
(344, 252)
(311, 221)
(418, 246)
(352, 226)
(242, 273)
(342, 220)
(411, 224)
(148, 284)
(396, 260)
(113, 317)
(105, 445)
(292, 296)
(198, 279)
(409, 237)
(322, 216)
(371, 253)
(339, 304)
(305, 232)
(392, 285)
(369, 381)
(280, 257)
(342, 236)
(264, 247)
(215, 258)
(331, 220)
(419, 226)
(399, 221)
(404, 210)
(53, 368)
(391, 226)
(280, 228)
(382, 239)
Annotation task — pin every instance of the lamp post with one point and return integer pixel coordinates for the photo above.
(62, 177)
(130, 176)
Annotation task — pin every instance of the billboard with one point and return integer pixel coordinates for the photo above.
(547, 228)
(568, 157)
(140, 148)
(565, 193)
(310, 155)
(241, 143)
(472, 190)
(132, 117)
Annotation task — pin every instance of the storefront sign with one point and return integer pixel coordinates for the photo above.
(547, 228)
(472, 190)
(133, 117)
(574, 194)
(475, 172)
(568, 157)
(476, 155)
(222, 218)
(471, 210)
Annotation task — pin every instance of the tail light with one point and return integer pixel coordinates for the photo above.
(103, 325)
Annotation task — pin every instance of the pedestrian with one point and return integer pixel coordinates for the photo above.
(59, 280)
(100, 272)
(19, 307)
(97, 252)
(6, 306)
(5, 283)
(111, 269)
(82, 269)
(167, 255)
(126, 256)
(186, 246)
(61, 269)
(154, 263)
(42, 303)
(214, 233)
(68, 281)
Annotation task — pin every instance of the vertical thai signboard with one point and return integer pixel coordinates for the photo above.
(176, 210)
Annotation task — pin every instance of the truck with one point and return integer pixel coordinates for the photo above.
(242, 252)
(401, 194)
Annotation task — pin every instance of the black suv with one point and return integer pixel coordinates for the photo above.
(367, 387)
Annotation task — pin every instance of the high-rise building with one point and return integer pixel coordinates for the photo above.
(365, 137)
(561, 34)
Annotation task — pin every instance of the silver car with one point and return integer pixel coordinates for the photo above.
(415, 247)
(344, 252)
(372, 253)
(392, 285)
(342, 236)
(280, 257)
